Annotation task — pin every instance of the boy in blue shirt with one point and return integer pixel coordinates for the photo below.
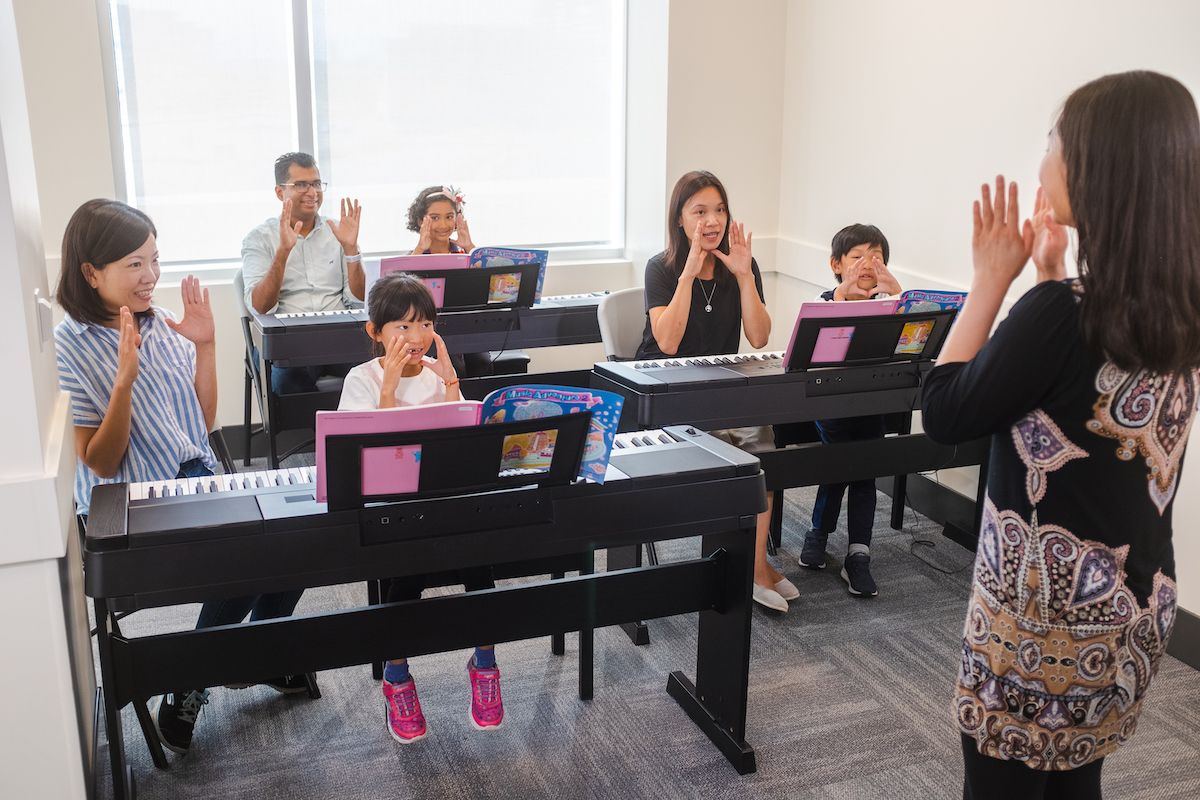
(859, 262)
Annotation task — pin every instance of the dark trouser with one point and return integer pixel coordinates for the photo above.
(988, 778)
(860, 507)
(294, 380)
(233, 610)
(409, 587)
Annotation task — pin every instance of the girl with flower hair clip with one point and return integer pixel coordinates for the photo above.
(435, 215)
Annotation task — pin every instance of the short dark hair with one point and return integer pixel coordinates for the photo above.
(285, 161)
(394, 297)
(852, 236)
(99, 233)
(425, 198)
(678, 242)
(1131, 146)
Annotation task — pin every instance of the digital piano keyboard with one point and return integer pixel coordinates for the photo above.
(160, 544)
(250, 533)
(338, 337)
(726, 391)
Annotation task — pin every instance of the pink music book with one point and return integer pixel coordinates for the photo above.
(825, 310)
(390, 470)
(421, 263)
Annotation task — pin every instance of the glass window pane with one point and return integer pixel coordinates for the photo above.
(208, 104)
(519, 104)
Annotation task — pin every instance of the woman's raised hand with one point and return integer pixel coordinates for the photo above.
(1000, 245)
(1049, 242)
(739, 258)
(128, 342)
(443, 367)
(462, 234)
(695, 259)
(197, 324)
(426, 238)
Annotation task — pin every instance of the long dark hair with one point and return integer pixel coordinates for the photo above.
(678, 243)
(1131, 145)
(99, 233)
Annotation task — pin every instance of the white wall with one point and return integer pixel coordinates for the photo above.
(895, 113)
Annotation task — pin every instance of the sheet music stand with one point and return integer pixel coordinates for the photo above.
(470, 289)
(455, 461)
(872, 339)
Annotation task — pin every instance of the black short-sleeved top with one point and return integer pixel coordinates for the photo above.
(1073, 597)
(708, 333)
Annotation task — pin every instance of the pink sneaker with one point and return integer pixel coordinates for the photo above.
(487, 709)
(405, 720)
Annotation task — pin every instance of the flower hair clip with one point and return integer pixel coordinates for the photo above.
(449, 192)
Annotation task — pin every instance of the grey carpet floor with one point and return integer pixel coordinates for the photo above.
(849, 698)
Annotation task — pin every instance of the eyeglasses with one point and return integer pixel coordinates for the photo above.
(303, 186)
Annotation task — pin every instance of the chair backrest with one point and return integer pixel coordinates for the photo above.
(622, 317)
(239, 293)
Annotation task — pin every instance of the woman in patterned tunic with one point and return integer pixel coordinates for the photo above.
(1088, 388)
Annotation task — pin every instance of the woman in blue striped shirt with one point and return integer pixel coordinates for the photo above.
(143, 389)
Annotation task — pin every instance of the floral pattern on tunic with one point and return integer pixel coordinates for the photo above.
(1150, 414)
(1044, 448)
(1057, 653)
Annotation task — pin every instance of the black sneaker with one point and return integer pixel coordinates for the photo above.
(856, 572)
(288, 684)
(175, 718)
(812, 555)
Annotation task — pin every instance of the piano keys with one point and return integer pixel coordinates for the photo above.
(735, 390)
(337, 337)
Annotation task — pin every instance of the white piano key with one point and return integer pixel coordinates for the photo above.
(261, 478)
(297, 475)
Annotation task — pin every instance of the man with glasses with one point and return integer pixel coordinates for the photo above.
(303, 262)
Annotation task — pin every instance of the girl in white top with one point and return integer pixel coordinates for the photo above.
(402, 314)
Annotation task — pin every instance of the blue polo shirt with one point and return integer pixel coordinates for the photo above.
(167, 425)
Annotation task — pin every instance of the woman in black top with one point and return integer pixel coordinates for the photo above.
(700, 295)
(1089, 389)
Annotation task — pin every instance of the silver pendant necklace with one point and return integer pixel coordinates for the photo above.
(707, 295)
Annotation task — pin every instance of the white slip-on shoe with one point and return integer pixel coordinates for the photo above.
(787, 590)
(769, 598)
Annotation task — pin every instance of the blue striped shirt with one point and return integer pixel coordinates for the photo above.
(167, 425)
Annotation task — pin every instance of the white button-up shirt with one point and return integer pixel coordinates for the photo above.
(315, 278)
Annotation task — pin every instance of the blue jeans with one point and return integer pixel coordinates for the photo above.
(860, 506)
(294, 380)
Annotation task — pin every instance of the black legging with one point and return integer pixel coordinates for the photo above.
(990, 778)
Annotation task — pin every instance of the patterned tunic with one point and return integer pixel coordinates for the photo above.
(1073, 597)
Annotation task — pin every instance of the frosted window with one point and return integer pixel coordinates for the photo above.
(207, 106)
(519, 103)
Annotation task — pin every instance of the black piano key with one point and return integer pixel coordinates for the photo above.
(150, 493)
(619, 444)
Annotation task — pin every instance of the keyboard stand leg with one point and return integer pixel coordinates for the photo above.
(899, 484)
(587, 634)
(122, 773)
(558, 641)
(716, 702)
(314, 691)
(375, 590)
(628, 558)
(775, 540)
